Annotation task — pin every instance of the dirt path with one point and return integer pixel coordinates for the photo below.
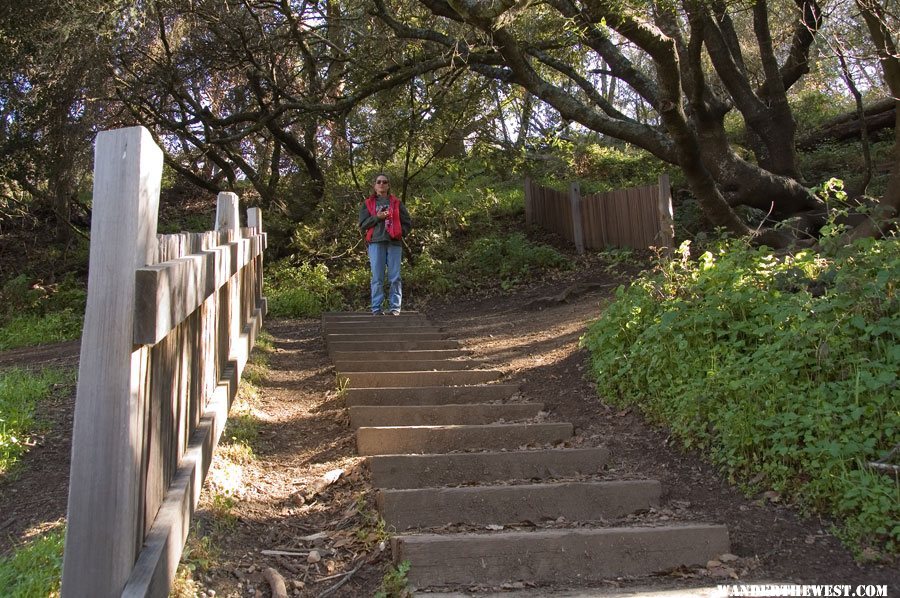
(59, 354)
(279, 498)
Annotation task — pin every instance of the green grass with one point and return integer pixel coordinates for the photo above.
(20, 393)
(34, 329)
(33, 312)
(34, 570)
(782, 369)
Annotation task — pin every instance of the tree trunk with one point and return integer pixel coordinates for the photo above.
(889, 206)
(524, 120)
(880, 116)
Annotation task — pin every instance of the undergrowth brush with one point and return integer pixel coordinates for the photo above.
(32, 313)
(783, 369)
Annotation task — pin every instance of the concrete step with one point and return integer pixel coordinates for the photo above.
(412, 379)
(484, 505)
(400, 356)
(441, 415)
(425, 365)
(387, 337)
(429, 395)
(422, 471)
(340, 346)
(548, 556)
(398, 440)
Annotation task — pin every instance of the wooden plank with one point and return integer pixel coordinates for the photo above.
(648, 213)
(556, 556)
(618, 218)
(666, 214)
(193, 371)
(575, 211)
(587, 221)
(529, 201)
(651, 225)
(612, 213)
(169, 292)
(104, 511)
(160, 435)
(632, 214)
(601, 221)
(645, 216)
(255, 220)
(155, 567)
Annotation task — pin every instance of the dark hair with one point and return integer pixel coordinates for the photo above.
(381, 174)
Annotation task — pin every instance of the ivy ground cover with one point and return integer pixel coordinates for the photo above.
(784, 369)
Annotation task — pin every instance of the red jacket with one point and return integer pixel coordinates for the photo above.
(392, 222)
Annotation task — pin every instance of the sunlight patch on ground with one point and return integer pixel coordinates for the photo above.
(226, 476)
(42, 528)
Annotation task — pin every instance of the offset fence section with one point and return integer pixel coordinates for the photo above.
(639, 217)
(169, 325)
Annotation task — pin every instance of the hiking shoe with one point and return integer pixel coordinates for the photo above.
(395, 312)
(378, 313)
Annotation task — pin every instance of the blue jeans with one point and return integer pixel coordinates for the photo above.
(387, 255)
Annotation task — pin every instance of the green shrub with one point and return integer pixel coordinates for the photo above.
(20, 393)
(22, 294)
(783, 369)
(429, 276)
(300, 291)
(395, 584)
(35, 569)
(606, 168)
(845, 160)
(506, 260)
(32, 313)
(19, 294)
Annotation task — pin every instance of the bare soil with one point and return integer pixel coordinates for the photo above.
(279, 501)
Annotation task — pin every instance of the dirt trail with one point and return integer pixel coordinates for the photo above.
(304, 433)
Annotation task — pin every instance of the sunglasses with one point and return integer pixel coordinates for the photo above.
(382, 182)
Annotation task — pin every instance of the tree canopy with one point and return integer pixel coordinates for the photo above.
(277, 94)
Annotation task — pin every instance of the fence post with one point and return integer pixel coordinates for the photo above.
(228, 220)
(529, 202)
(255, 220)
(577, 228)
(227, 216)
(105, 510)
(666, 215)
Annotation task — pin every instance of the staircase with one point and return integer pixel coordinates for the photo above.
(469, 474)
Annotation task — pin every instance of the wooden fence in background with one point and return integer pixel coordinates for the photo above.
(169, 325)
(639, 217)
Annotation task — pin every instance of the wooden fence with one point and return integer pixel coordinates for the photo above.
(639, 217)
(169, 325)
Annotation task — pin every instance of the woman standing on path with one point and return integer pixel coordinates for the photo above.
(385, 221)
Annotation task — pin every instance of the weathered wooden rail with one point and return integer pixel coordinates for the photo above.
(169, 324)
(639, 217)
